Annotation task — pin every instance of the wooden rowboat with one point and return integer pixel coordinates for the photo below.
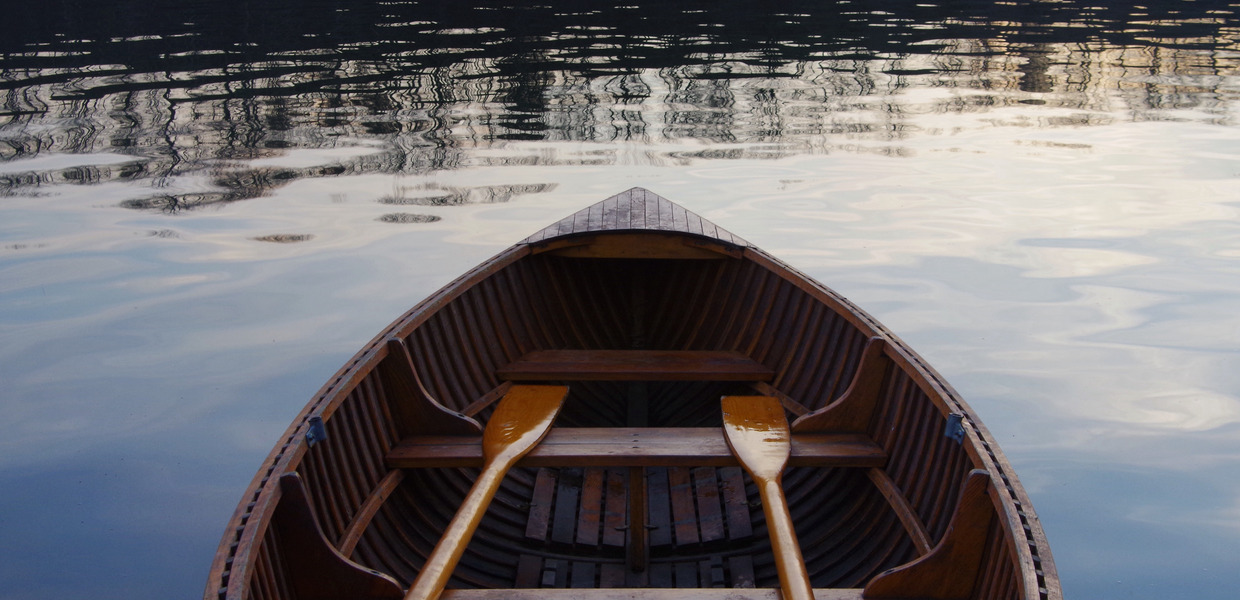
(596, 352)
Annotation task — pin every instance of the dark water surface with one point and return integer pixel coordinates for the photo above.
(206, 207)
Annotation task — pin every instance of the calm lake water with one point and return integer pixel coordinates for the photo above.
(207, 207)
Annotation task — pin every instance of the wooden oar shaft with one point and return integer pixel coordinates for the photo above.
(757, 432)
(434, 575)
(793, 578)
(520, 421)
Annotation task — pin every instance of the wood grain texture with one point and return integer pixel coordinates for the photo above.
(635, 447)
(374, 501)
(895, 497)
(416, 411)
(635, 273)
(757, 432)
(635, 209)
(521, 420)
(634, 365)
(854, 409)
(949, 571)
(643, 594)
(318, 571)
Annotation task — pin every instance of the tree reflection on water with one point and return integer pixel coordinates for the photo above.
(204, 88)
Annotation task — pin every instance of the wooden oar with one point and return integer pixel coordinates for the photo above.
(757, 432)
(521, 420)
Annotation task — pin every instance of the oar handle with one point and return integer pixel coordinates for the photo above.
(434, 575)
(793, 578)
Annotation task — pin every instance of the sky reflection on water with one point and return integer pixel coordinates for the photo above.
(1044, 203)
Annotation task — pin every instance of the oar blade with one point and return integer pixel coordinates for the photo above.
(757, 431)
(522, 419)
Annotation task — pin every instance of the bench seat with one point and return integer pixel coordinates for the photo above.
(635, 365)
(636, 447)
(644, 594)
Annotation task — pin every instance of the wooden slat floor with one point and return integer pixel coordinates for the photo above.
(698, 523)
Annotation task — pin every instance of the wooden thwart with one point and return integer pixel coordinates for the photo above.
(636, 447)
(635, 365)
(644, 594)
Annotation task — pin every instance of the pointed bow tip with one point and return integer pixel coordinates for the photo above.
(635, 209)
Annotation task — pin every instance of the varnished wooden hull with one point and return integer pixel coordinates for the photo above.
(639, 274)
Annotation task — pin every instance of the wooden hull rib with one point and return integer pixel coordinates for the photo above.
(649, 314)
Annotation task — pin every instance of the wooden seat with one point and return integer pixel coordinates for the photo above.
(644, 594)
(636, 447)
(635, 365)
